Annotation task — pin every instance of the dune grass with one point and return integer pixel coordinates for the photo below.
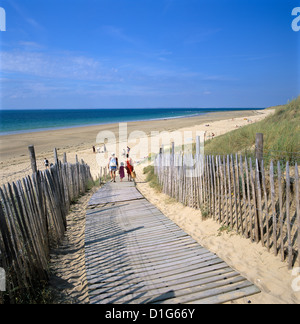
(151, 178)
(281, 136)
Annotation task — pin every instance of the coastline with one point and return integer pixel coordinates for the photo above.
(68, 124)
(15, 163)
(14, 146)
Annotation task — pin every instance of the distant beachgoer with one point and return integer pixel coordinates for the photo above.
(113, 167)
(46, 162)
(94, 149)
(122, 172)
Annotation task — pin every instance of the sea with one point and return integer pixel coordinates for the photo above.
(25, 121)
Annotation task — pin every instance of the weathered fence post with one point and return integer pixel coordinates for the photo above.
(259, 145)
(259, 155)
(198, 145)
(32, 158)
(55, 156)
(259, 149)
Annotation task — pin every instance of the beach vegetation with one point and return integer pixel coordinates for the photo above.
(152, 179)
(224, 228)
(204, 212)
(92, 183)
(281, 136)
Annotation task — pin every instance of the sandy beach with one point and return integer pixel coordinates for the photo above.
(250, 259)
(14, 160)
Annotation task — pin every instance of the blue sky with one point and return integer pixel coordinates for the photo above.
(148, 53)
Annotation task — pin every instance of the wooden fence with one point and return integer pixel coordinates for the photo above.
(33, 220)
(243, 195)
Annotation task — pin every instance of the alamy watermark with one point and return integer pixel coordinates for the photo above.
(296, 21)
(142, 146)
(2, 19)
(2, 280)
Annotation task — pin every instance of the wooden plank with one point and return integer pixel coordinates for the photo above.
(166, 294)
(250, 213)
(259, 149)
(273, 200)
(170, 280)
(149, 251)
(105, 197)
(256, 221)
(232, 170)
(244, 200)
(134, 254)
(238, 176)
(266, 204)
(148, 261)
(280, 211)
(184, 283)
(288, 217)
(214, 186)
(32, 158)
(297, 192)
(222, 210)
(155, 271)
(225, 191)
(229, 296)
(121, 279)
(230, 191)
(214, 289)
(218, 194)
(259, 203)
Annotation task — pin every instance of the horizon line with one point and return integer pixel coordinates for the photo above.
(124, 108)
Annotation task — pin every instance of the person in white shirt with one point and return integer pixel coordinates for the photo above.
(113, 167)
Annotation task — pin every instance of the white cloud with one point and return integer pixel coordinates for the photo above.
(31, 73)
(55, 66)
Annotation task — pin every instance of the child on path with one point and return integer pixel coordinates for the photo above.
(122, 172)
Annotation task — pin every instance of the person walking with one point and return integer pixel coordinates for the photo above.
(113, 167)
(129, 167)
(46, 162)
(122, 171)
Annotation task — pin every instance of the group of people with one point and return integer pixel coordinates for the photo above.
(113, 165)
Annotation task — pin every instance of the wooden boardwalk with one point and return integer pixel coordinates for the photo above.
(136, 255)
